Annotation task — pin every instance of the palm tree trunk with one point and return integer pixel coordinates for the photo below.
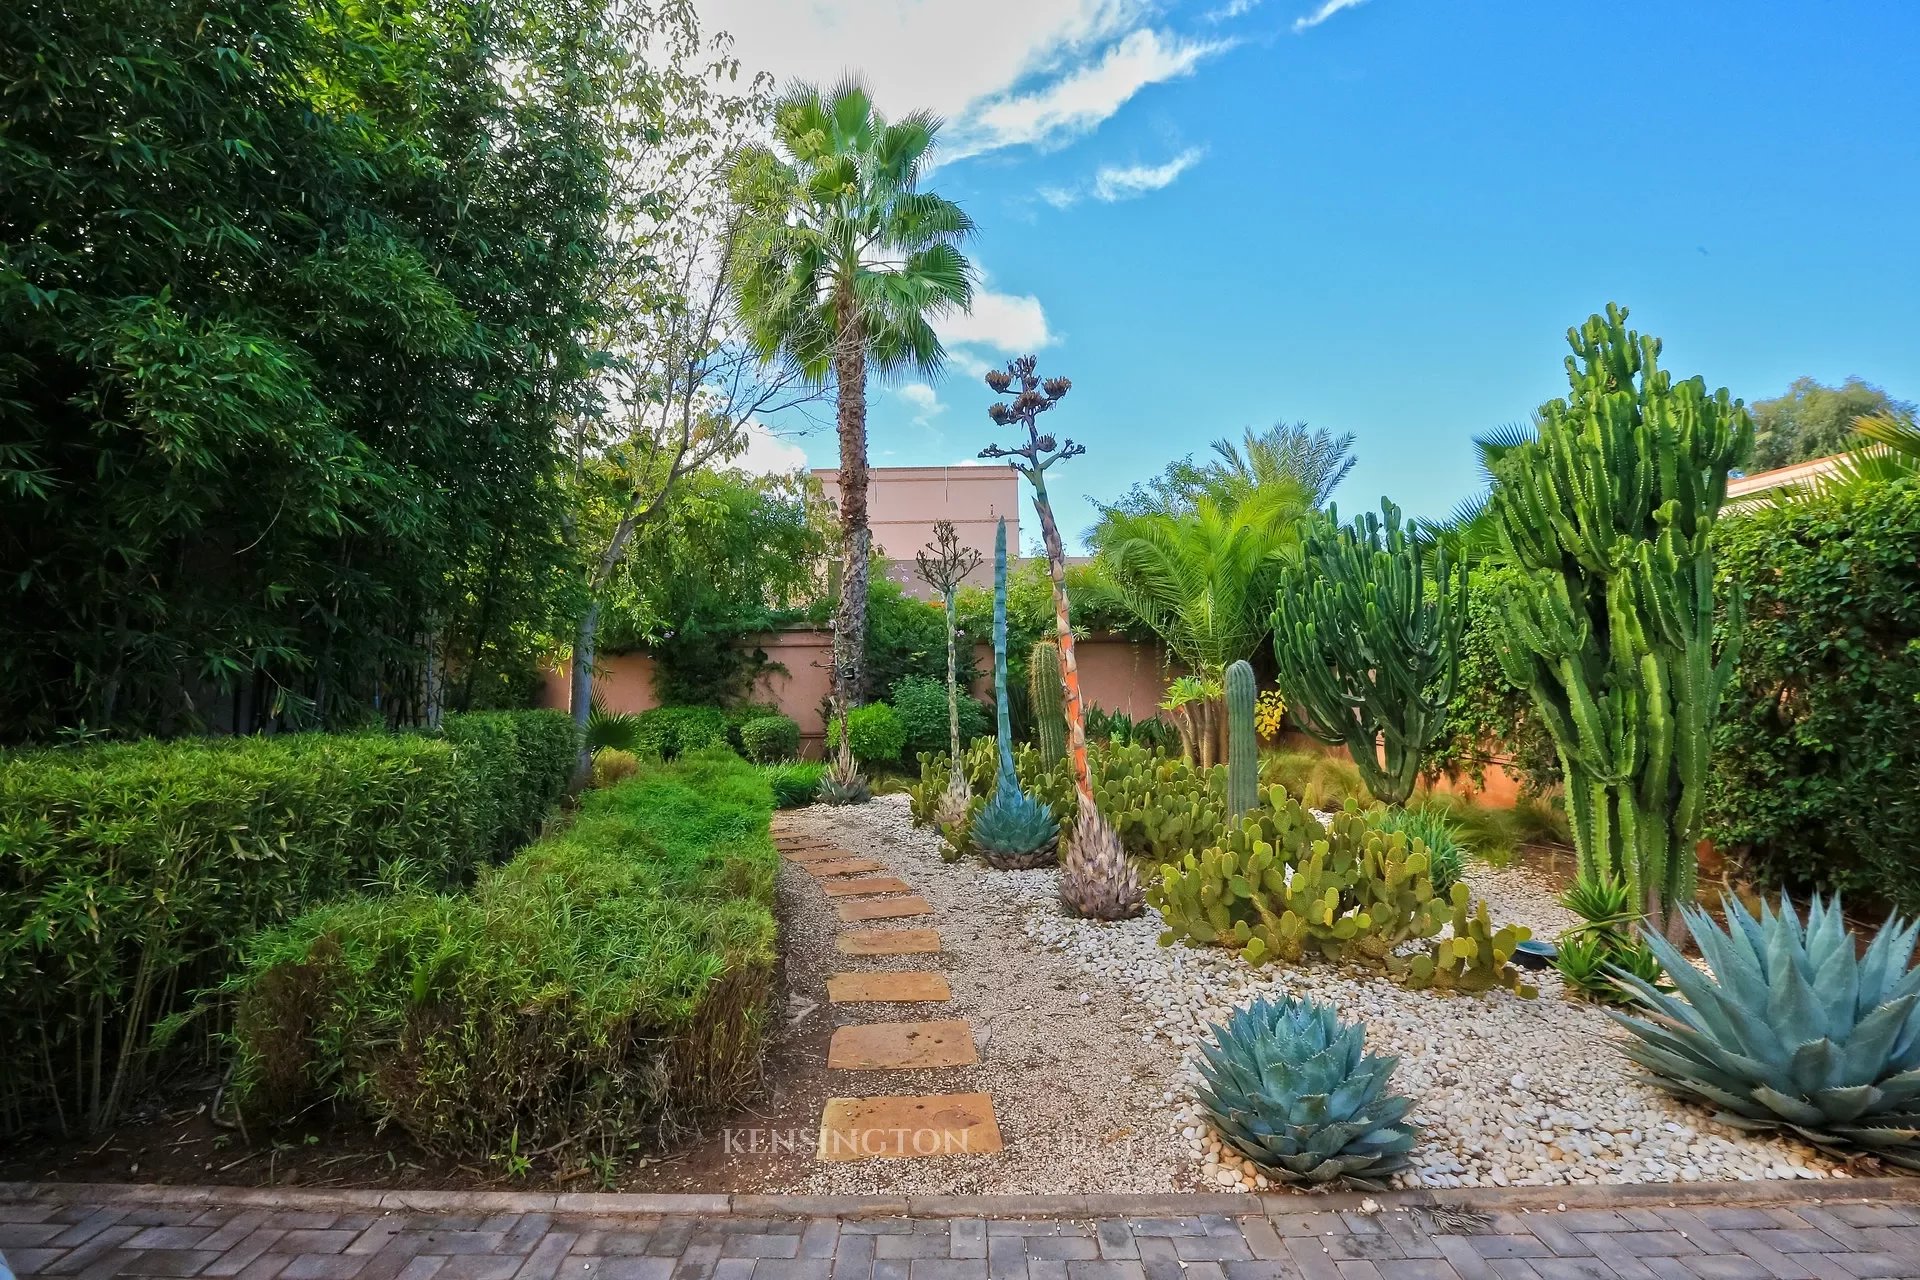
(580, 694)
(856, 538)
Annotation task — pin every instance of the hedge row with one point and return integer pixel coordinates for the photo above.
(129, 873)
(1816, 762)
(606, 981)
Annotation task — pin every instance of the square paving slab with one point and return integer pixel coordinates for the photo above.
(887, 942)
(890, 1128)
(887, 985)
(860, 886)
(843, 867)
(902, 1046)
(884, 909)
(808, 857)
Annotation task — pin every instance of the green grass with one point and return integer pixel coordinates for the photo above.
(577, 1002)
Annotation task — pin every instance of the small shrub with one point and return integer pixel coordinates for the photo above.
(765, 739)
(794, 783)
(670, 732)
(611, 765)
(1318, 780)
(874, 732)
(1606, 941)
(605, 983)
(921, 704)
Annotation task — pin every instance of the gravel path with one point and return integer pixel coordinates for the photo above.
(1092, 1025)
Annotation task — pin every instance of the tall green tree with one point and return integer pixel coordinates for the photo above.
(1291, 456)
(1609, 623)
(1813, 420)
(291, 297)
(842, 266)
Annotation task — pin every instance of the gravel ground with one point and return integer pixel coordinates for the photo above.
(1092, 1024)
(1080, 1093)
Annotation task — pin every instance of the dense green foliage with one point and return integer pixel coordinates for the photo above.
(291, 297)
(920, 702)
(765, 739)
(1792, 1028)
(1430, 825)
(874, 732)
(669, 732)
(1816, 764)
(1811, 420)
(609, 979)
(1366, 652)
(1489, 718)
(794, 783)
(727, 555)
(1608, 513)
(130, 872)
(1290, 1087)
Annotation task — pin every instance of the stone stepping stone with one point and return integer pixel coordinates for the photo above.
(884, 909)
(888, 942)
(887, 985)
(895, 1127)
(864, 886)
(826, 853)
(798, 844)
(842, 866)
(902, 1046)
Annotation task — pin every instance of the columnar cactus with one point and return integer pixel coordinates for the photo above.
(1366, 652)
(1243, 749)
(1608, 514)
(1043, 687)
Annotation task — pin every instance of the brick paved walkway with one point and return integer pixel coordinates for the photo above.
(93, 1236)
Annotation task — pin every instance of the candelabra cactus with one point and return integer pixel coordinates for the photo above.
(1096, 880)
(1043, 688)
(1366, 652)
(1013, 829)
(1608, 513)
(1243, 752)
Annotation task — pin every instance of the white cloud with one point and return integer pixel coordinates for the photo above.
(1013, 323)
(1059, 197)
(1326, 10)
(768, 454)
(1232, 9)
(1080, 100)
(1125, 182)
(924, 401)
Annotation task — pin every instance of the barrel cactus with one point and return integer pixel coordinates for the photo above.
(1795, 1029)
(1290, 1087)
(1243, 751)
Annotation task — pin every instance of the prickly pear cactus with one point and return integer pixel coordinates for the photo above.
(1243, 749)
(1044, 692)
(1477, 957)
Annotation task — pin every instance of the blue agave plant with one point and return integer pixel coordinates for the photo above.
(1291, 1088)
(1795, 1028)
(1013, 829)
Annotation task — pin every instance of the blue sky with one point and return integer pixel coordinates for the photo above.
(1381, 216)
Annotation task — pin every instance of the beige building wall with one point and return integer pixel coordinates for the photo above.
(903, 504)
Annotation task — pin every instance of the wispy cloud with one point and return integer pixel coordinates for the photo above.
(1080, 100)
(1232, 9)
(1007, 322)
(1124, 183)
(1326, 10)
(923, 400)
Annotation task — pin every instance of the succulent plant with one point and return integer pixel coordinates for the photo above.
(843, 783)
(1431, 827)
(1045, 697)
(1289, 1086)
(1097, 879)
(1795, 1028)
(1013, 830)
(1606, 942)
(1243, 751)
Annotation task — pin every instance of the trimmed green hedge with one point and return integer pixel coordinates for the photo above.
(608, 980)
(1816, 767)
(766, 739)
(669, 732)
(130, 872)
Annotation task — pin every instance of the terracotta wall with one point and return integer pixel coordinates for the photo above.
(903, 503)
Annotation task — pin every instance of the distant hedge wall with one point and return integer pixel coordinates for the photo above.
(130, 873)
(1816, 772)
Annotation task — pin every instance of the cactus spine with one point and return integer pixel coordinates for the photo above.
(1608, 514)
(1243, 751)
(1366, 653)
(1049, 714)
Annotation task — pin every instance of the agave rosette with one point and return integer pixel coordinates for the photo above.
(1291, 1088)
(1795, 1029)
(1013, 830)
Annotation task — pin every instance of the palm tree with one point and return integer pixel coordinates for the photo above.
(1886, 447)
(842, 264)
(1297, 455)
(1204, 581)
